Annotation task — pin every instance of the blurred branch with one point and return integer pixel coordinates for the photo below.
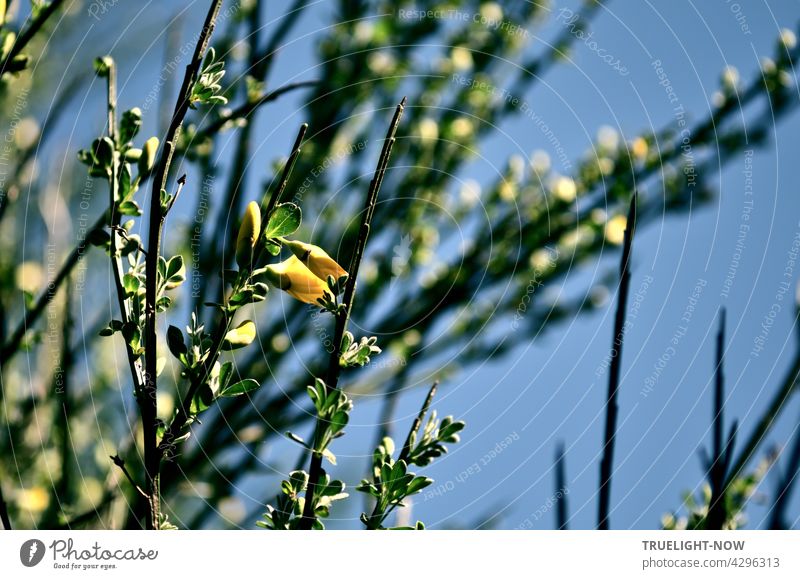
(244, 111)
(15, 340)
(27, 35)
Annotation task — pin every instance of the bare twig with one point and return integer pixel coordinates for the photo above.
(334, 368)
(121, 464)
(612, 408)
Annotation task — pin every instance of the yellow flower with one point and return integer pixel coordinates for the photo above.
(639, 148)
(615, 229)
(293, 277)
(34, 499)
(316, 259)
(248, 234)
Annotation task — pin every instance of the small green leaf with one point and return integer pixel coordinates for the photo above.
(131, 284)
(175, 272)
(285, 220)
(130, 124)
(175, 342)
(240, 336)
(246, 385)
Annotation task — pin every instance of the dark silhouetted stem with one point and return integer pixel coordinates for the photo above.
(612, 406)
(562, 512)
(716, 469)
(406, 451)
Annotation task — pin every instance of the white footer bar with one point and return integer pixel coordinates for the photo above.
(386, 555)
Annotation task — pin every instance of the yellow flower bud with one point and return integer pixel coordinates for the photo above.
(293, 277)
(148, 157)
(248, 235)
(316, 259)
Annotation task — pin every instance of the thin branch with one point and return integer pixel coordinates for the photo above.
(148, 399)
(767, 421)
(786, 484)
(612, 407)
(27, 35)
(121, 464)
(117, 269)
(334, 368)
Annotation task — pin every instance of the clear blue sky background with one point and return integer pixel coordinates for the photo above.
(544, 392)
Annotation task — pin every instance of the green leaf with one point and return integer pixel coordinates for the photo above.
(130, 124)
(175, 342)
(246, 385)
(131, 284)
(240, 336)
(175, 272)
(285, 220)
(130, 207)
(225, 374)
(330, 456)
(203, 399)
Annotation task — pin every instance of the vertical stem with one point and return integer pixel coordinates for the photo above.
(717, 467)
(332, 376)
(612, 407)
(134, 362)
(562, 512)
(148, 406)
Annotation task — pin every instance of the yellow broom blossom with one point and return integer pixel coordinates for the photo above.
(293, 277)
(316, 259)
(248, 234)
